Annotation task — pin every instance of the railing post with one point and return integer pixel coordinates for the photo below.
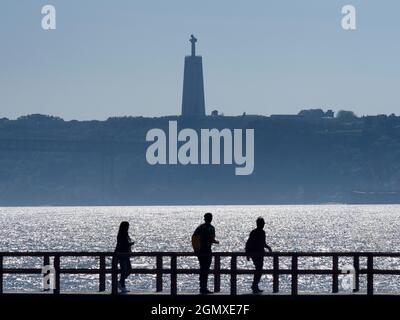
(294, 275)
(159, 279)
(356, 264)
(233, 275)
(174, 288)
(217, 273)
(114, 275)
(1, 274)
(370, 275)
(102, 275)
(275, 276)
(46, 262)
(57, 274)
(335, 274)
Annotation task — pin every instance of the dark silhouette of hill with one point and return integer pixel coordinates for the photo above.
(298, 159)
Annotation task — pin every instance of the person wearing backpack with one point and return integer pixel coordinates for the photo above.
(255, 246)
(202, 240)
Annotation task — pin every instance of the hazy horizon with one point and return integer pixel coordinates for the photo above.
(125, 58)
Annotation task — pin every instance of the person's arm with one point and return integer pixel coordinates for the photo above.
(266, 245)
(213, 238)
(249, 245)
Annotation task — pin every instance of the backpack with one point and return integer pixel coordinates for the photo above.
(249, 245)
(196, 240)
(247, 248)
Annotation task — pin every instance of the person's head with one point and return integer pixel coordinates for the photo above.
(208, 217)
(260, 223)
(123, 228)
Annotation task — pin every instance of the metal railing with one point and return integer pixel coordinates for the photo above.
(233, 271)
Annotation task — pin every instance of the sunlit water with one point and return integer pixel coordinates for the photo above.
(169, 228)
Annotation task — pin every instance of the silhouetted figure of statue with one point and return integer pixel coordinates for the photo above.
(255, 245)
(193, 102)
(124, 244)
(203, 238)
(193, 41)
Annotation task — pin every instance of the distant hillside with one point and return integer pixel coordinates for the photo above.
(49, 161)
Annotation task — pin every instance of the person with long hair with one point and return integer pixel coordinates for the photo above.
(124, 245)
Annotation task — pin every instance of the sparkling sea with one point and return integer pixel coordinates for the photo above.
(169, 228)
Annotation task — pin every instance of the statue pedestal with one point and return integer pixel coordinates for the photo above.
(193, 87)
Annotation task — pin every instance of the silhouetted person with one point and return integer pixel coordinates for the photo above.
(124, 245)
(203, 238)
(255, 245)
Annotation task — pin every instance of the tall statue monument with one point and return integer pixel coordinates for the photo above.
(193, 87)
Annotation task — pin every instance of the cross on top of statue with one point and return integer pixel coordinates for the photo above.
(193, 40)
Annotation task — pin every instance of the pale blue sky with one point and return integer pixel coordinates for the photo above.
(125, 57)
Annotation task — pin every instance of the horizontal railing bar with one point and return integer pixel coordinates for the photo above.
(389, 272)
(21, 271)
(196, 271)
(192, 254)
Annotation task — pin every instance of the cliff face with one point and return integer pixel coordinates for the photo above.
(48, 161)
